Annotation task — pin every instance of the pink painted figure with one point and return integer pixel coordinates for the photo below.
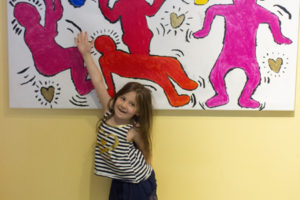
(132, 14)
(49, 57)
(239, 50)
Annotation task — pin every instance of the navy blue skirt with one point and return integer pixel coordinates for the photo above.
(144, 190)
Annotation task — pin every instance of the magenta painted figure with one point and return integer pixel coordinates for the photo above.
(242, 19)
(132, 14)
(49, 57)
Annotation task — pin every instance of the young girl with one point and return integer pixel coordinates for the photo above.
(123, 147)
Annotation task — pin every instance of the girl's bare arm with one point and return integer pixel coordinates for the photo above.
(84, 47)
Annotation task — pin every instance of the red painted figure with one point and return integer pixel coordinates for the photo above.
(132, 14)
(154, 68)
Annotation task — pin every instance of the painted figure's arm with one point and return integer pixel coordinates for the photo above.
(155, 7)
(275, 28)
(84, 47)
(53, 13)
(110, 14)
(58, 9)
(209, 17)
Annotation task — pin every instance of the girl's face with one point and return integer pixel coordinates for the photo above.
(125, 107)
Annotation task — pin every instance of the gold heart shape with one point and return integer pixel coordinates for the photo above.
(102, 146)
(275, 65)
(176, 21)
(48, 93)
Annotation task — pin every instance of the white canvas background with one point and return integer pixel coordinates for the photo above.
(276, 91)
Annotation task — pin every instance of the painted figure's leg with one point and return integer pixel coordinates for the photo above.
(253, 75)
(140, 47)
(180, 77)
(79, 78)
(174, 99)
(217, 80)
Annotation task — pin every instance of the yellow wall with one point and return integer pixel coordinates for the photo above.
(48, 154)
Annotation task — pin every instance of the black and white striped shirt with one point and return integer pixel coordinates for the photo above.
(117, 158)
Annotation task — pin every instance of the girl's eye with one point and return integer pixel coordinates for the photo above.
(132, 104)
(123, 98)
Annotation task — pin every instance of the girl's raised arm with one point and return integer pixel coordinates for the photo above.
(84, 47)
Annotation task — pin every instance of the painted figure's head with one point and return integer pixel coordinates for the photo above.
(26, 14)
(104, 44)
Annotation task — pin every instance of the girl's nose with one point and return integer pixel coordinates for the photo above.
(124, 105)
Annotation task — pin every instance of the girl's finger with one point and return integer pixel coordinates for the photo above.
(92, 43)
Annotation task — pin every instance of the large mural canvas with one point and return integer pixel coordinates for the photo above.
(192, 54)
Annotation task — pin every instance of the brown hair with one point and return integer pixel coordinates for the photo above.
(143, 121)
